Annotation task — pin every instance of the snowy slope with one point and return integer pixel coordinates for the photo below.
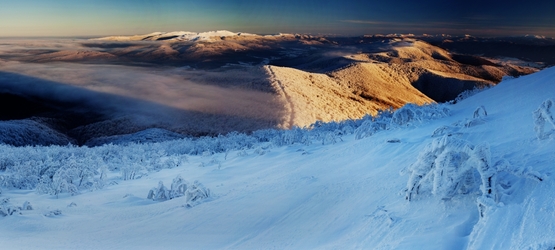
(333, 193)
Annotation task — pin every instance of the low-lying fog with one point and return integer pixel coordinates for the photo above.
(173, 97)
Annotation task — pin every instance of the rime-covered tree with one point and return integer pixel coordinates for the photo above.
(542, 115)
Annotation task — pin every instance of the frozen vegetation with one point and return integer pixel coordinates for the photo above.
(472, 174)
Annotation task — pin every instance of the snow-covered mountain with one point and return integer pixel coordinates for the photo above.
(178, 36)
(477, 174)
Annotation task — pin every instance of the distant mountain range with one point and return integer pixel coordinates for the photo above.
(309, 78)
(176, 36)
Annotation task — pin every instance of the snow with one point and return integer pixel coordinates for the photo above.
(301, 189)
(178, 36)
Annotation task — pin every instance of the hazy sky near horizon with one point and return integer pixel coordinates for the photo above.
(341, 17)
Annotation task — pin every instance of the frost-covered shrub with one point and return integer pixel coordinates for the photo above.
(7, 209)
(265, 135)
(233, 140)
(480, 112)
(261, 150)
(443, 168)
(468, 93)
(169, 162)
(130, 171)
(53, 213)
(384, 114)
(411, 114)
(331, 138)
(449, 166)
(178, 187)
(542, 115)
(193, 193)
(291, 136)
(478, 117)
(62, 182)
(27, 206)
(444, 130)
(408, 115)
(160, 193)
(73, 175)
(368, 128)
(405, 115)
(341, 128)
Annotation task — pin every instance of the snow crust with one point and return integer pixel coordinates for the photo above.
(324, 188)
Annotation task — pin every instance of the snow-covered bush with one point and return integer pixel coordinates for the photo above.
(130, 171)
(544, 114)
(444, 130)
(408, 115)
(53, 213)
(193, 193)
(7, 209)
(468, 93)
(331, 138)
(449, 166)
(480, 112)
(478, 117)
(289, 137)
(443, 168)
(178, 187)
(160, 193)
(368, 128)
(72, 175)
(411, 114)
(27, 206)
(368, 125)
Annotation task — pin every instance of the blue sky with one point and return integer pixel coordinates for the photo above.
(343, 17)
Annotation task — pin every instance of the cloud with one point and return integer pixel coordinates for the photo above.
(364, 22)
(406, 24)
(167, 95)
(469, 25)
